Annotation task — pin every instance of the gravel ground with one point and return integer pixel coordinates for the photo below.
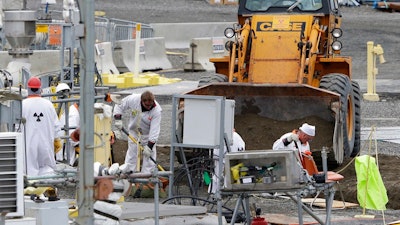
(360, 24)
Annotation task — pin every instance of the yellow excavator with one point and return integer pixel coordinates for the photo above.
(284, 68)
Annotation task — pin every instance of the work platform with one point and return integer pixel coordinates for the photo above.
(138, 210)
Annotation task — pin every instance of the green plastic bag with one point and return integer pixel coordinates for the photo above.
(371, 192)
(206, 178)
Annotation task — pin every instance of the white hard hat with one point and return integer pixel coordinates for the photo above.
(308, 129)
(62, 87)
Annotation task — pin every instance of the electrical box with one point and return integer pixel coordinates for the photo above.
(263, 170)
(202, 121)
(48, 212)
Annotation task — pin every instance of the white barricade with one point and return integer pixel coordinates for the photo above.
(104, 58)
(201, 50)
(152, 55)
(179, 35)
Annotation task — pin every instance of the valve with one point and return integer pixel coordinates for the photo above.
(372, 71)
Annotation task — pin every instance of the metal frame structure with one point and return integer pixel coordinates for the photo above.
(176, 144)
(86, 179)
(243, 196)
(310, 186)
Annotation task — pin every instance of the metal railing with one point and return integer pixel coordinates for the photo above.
(107, 30)
(111, 30)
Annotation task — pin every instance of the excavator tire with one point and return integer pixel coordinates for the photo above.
(214, 78)
(342, 85)
(357, 119)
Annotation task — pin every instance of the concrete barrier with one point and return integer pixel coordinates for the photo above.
(42, 61)
(104, 58)
(179, 35)
(47, 61)
(152, 55)
(201, 50)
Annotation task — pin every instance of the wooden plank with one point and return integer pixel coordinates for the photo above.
(320, 202)
(282, 219)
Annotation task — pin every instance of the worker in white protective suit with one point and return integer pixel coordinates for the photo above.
(144, 126)
(238, 145)
(108, 211)
(70, 148)
(41, 131)
(297, 140)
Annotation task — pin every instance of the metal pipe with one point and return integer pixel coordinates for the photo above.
(174, 140)
(372, 71)
(156, 182)
(86, 181)
(137, 49)
(220, 181)
(193, 46)
(137, 175)
(324, 162)
(236, 209)
(309, 211)
(51, 176)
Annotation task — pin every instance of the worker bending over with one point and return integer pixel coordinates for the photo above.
(144, 126)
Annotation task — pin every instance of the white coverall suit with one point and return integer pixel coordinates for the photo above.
(73, 121)
(147, 122)
(238, 145)
(301, 148)
(41, 128)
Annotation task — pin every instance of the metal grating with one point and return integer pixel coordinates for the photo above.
(11, 177)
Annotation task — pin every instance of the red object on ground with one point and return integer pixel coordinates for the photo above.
(259, 221)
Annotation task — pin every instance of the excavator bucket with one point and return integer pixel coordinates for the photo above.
(263, 112)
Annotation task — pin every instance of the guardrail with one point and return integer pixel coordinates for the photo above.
(50, 32)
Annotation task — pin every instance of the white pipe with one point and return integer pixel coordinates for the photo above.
(137, 49)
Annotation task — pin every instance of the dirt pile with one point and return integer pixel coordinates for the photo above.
(388, 170)
(260, 133)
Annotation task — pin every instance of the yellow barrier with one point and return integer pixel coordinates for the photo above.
(129, 80)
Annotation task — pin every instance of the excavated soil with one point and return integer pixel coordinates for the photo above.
(387, 163)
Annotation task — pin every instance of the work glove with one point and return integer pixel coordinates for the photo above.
(127, 168)
(118, 124)
(147, 152)
(77, 149)
(114, 169)
(293, 137)
(57, 145)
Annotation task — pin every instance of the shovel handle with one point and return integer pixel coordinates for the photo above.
(141, 148)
